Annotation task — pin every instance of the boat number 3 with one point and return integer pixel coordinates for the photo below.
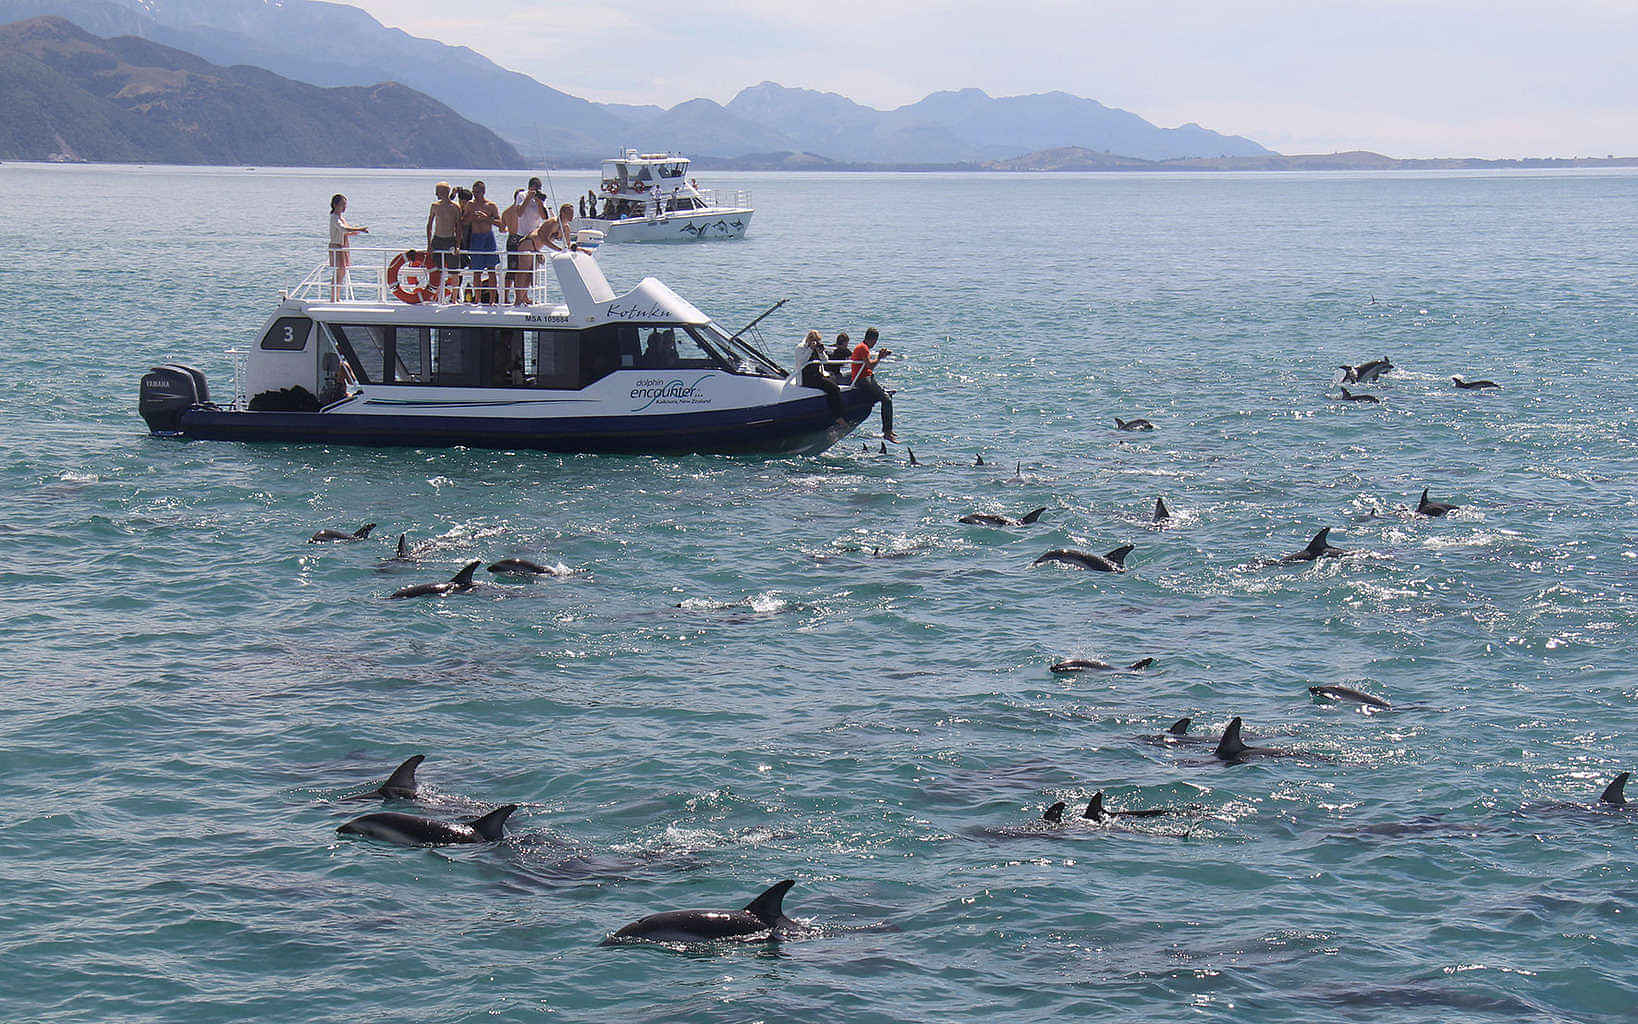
(288, 333)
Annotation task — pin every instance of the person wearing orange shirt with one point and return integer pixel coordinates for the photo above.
(863, 369)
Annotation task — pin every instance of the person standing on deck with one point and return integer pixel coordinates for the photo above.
(443, 238)
(864, 378)
(341, 239)
(481, 217)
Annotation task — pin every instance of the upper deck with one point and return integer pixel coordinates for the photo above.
(583, 296)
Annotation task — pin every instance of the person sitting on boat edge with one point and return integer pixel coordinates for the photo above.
(443, 237)
(481, 217)
(341, 239)
(814, 374)
(864, 378)
(842, 352)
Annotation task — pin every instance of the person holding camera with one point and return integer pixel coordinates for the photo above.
(864, 378)
(815, 375)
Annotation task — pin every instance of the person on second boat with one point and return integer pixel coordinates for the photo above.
(864, 378)
(814, 374)
(481, 217)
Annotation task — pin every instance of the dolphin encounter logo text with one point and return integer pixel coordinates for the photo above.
(659, 391)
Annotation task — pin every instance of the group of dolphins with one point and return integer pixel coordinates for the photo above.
(459, 583)
(1365, 373)
(762, 918)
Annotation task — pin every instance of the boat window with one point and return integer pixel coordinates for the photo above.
(643, 174)
(412, 356)
(457, 357)
(671, 170)
(744, 359)
(288, 334)
(365, 348)
(553, 357)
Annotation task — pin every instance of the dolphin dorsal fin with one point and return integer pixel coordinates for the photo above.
(883, 449)
(1346, 393)
(1055, 813)
(402, 779)
(770, 906)
(1030, 517)
(363, 531)
(492, 826)
(403, 545)
(912, 452)
(464, 577)
(1120, 424)
(1094, 809)
(978, 460)
(1231, 744)
(1180, 727)
(1423, 502)
(1161, 511)
(1321, 541)
(1118, 556)
(1615, 792)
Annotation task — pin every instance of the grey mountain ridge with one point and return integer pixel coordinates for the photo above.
(332, 44)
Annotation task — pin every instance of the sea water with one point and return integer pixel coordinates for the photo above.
(754, 669)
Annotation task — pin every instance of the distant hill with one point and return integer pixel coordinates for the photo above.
(946, 127)
(70, 95)
(1074, 158)
(333, 44)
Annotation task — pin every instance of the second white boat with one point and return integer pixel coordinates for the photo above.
(649, 197)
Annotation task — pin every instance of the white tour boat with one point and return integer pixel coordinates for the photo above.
(649, 197)
(376, 361)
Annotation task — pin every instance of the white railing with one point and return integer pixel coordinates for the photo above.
(368, 279)
(738, 197)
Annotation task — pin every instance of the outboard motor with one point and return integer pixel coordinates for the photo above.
(167, 392)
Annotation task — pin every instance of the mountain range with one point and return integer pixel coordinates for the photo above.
(70, 95)
(333, 44)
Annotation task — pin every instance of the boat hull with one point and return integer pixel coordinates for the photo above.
(804, 426)
(676, 228)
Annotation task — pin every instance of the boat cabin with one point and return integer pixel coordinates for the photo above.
(391, 351)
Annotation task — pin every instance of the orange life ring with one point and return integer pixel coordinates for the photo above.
(420, 277)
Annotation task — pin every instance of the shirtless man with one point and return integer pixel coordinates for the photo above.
(520, 248)
(481, 217)
(443, 237)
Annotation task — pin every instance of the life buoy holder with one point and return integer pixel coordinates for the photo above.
(415, 286)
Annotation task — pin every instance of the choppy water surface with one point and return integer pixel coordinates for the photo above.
(805, 668)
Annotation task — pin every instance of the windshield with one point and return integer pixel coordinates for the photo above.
(740, 354)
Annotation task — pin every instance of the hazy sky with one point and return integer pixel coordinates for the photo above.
(1432, 78)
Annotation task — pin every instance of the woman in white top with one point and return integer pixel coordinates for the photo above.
(341, 236)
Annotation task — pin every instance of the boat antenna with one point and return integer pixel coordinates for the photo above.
(765, 313)
(551, 189)
(764, 316)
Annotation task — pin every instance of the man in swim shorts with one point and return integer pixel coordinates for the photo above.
(481, 217)
(443, 230)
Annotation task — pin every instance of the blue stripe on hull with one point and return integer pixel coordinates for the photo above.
(802, 427)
